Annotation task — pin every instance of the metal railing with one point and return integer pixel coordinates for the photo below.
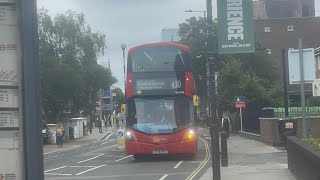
(296, 111)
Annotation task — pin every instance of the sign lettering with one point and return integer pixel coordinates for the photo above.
(235, 26)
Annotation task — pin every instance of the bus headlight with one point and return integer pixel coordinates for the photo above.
(129, 135)
(191, 134)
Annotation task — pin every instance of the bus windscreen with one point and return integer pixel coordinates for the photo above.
(160, 115)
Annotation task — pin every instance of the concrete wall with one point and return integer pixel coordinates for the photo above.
(303, 159)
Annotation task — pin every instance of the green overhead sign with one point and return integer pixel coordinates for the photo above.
(235, 27)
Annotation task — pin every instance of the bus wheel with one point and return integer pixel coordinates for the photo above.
(138, 157)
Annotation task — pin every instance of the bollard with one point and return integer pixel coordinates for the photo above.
(120, 139)
(224, 149)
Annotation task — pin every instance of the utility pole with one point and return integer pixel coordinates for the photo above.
(303, 99)
(285, 83)
(214, 124)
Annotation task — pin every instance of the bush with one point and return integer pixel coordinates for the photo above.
(313, 141)
(314, 101)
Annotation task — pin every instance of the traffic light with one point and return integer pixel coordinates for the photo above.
(123, 109)
(195, 100)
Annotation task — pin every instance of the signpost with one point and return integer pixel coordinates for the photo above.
(235, 24)
(240, 103)
(20, 124)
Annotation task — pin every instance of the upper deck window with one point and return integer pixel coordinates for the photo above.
(158, 59)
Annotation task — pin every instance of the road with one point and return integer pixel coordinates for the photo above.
(101, 160)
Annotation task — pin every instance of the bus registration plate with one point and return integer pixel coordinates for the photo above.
(160, 152)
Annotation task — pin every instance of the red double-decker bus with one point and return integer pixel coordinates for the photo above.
(160, 107)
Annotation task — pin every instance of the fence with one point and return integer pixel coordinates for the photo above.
(296, 111)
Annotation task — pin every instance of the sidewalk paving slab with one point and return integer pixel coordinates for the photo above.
(71, 144)
(251, 160)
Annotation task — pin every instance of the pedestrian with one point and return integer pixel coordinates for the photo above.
(100, 126)
(1, 177)
(226, 124)
(59, 134)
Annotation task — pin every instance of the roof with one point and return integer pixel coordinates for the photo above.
(180, 46)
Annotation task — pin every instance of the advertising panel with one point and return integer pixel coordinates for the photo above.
(235, 22)
(309, 66)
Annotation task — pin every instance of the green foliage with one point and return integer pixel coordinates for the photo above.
(314, 101)
(251, 75)
(313, 141)
(70, 75)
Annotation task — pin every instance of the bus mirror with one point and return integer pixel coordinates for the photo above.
(123, 109)
(195, 100)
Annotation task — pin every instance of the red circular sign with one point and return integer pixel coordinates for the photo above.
(2, 47)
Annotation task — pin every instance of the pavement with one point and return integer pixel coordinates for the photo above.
(250, 160)
(95, 136)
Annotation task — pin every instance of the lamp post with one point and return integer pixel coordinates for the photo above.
(214, 126)
(204, 12)
(123, 47)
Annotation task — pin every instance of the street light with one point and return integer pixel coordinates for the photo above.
(189, 10)
(123, 47)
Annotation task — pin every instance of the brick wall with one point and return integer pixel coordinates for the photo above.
(314, 124)
(269, 132)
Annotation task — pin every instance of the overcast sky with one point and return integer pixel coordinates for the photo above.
(132, 22)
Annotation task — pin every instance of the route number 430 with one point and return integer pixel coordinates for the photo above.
(176, 84)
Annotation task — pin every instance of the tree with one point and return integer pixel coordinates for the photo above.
(252, 75)
(70, 75)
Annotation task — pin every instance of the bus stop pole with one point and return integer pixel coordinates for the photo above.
(214, 125)
(33, 152)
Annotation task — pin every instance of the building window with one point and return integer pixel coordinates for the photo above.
(267, 29)
(290, 28)
(268, 51)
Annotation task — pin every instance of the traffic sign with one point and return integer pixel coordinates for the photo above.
(240, 102)
(240, 105)
(120, 133)
(240, 99)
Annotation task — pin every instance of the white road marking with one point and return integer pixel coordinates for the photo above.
(55, 169)
(179, 163)
(126, 176)
(203, 163)
(123, 158)
(82, 166)
(111, 140)
(90, 170)
(107, 138)
(50, 157)
(164, 176)
(90, 158)
(57, 174)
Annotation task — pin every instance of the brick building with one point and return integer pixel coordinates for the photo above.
(283, 8)
(278, 33)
